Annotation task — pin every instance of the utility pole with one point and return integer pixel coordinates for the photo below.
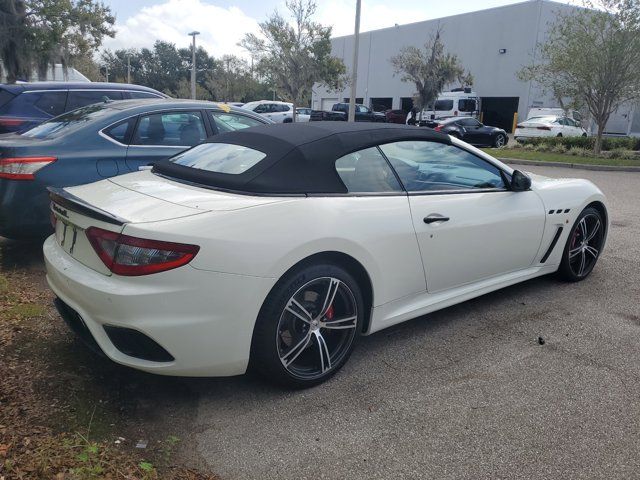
(106, 72)
(354, 76)
(193, 65)
(128, 68)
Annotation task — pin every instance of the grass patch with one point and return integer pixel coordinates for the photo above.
(62, 410)
(26, 310)
(525, 154)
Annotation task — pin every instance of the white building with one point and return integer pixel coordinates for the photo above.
(58, 74)
(493, 44)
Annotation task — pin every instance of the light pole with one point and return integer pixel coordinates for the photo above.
(354, 77)
(128, 68)
(193, 65)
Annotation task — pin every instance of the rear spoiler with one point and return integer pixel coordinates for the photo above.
(68, 200)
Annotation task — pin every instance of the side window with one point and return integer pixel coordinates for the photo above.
(469, 122)
(262, 108)
(431, 166)
(466, 105)
(142, 95)
(52, 103)
(119, 131)
(80, 98)
(285, 108)
(367, 171)
(228, 122)
(170, 129)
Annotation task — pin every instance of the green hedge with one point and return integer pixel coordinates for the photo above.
(608, 143)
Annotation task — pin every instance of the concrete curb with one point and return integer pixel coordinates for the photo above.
(579, 166)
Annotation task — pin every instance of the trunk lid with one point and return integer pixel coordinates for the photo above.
(189, 196)
(140, 197)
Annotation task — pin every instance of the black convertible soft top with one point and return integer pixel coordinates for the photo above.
(300, 157)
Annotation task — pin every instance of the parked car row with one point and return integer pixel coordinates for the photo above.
(340, 112)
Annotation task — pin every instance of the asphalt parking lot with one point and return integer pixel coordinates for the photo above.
(467, 392)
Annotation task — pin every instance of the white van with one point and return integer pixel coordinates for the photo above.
(458, 102)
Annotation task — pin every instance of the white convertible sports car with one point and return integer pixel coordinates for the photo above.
(275, 247)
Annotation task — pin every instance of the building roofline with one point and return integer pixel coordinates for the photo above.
(518, 4)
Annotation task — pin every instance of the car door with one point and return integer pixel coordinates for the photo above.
(470, 227)
(379, 209)
(161, 135)
(473, 131)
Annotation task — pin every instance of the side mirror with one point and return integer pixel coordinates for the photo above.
(520, 182)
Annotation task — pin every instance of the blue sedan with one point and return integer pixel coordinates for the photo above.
(96, 142)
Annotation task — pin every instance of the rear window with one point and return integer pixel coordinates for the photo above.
(219, 158)
(67, 123)
(5, 97)
(443, 105)
(40, 104)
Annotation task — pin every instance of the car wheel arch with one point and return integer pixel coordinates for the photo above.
(343, 260)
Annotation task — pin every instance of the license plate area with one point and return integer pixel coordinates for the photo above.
(67, 235)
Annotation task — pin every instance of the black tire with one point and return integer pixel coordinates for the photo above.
(584, 135)
(559, 135)
(276, 325)
(500, 140)
(288, 120)
(577, 251)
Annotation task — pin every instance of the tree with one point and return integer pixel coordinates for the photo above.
(430, 69)
(592, 57)
(42, 33)
(13, 41)
(293, 56)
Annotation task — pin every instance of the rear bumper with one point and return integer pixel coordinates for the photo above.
(204, 320)
(24, 209)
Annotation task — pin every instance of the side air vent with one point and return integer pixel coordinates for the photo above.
(552, 245)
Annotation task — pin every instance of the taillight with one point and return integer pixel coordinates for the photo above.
(11, 122)
(132, 256)
(543, 128)
(437, 128)
(23, 168)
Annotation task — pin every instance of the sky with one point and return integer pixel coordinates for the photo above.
(223, 23)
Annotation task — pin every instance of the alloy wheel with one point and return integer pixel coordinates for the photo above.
(500, 141)
(585, 245)
(316, 328)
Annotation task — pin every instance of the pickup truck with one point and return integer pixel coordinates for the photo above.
(340, 112)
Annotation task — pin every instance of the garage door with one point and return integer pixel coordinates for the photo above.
(327, 103)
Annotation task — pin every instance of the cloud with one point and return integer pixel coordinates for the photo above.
(220, 28)
(341, 15)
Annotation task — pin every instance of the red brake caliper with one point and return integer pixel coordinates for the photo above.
(329, 314)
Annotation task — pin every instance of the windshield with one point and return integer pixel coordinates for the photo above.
(219, 158)
(66, 123)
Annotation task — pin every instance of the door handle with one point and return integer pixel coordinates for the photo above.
(434, 217)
